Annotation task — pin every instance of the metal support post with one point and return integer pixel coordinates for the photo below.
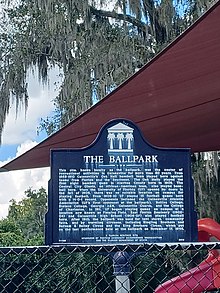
(122, 268)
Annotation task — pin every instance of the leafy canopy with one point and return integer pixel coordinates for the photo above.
(97, 44)
(24, 224)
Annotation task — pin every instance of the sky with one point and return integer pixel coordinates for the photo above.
(19, 135)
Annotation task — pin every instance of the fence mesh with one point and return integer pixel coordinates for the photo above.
(93, 269)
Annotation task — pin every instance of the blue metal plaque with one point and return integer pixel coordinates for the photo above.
(120, 189)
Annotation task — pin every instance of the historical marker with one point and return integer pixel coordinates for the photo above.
(120, 189)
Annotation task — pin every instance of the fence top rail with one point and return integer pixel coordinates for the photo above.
(108, 249)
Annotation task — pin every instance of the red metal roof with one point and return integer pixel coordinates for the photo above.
(174, 99)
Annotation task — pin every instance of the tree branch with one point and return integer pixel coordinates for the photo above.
(120, 16)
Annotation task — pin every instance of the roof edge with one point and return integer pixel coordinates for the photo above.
(157, 56)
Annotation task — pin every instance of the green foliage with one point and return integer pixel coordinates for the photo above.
(10, 238)
(74, 272)
(150, 270)
(207, 184)
(63, 272)
(97, 49)
(24, 224)
(10, 233)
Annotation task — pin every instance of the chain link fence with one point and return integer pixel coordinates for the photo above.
(92, 269)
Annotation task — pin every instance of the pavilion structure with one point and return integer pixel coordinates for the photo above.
(174, 99)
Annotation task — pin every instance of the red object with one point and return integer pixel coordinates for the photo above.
(206, 276)
(208, 227)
